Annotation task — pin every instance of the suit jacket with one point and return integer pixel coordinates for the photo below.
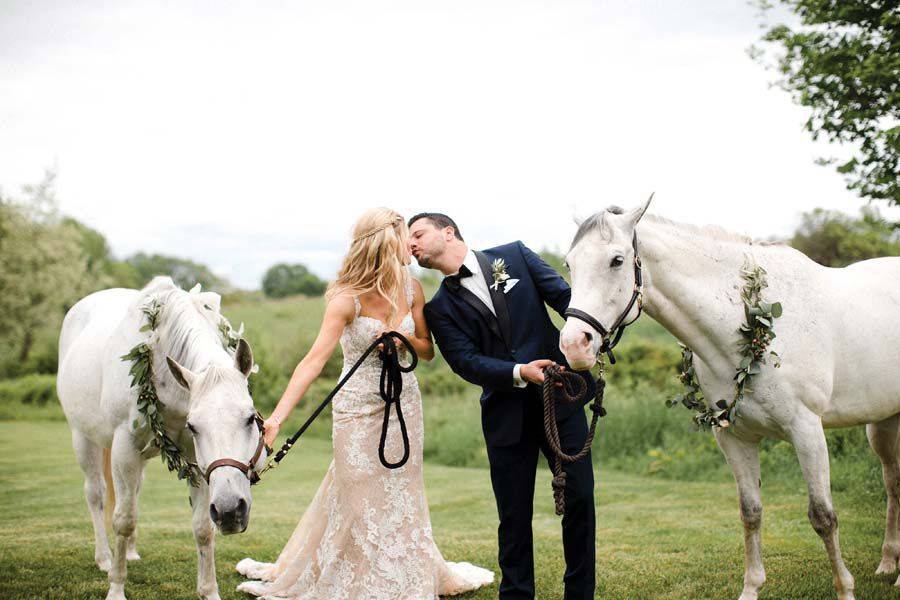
(483, 349)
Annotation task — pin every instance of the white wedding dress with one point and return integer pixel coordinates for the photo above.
(367, 532)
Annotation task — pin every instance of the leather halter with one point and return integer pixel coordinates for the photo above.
(247, 468)
(612, 335)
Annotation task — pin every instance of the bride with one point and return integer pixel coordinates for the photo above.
(367, 532)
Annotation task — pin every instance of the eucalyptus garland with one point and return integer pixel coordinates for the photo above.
(757, 333)
(149, 404)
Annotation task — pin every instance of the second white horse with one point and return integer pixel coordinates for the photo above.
(838, 339)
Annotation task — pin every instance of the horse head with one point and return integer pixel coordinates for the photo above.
(604, 269)
(224, 425)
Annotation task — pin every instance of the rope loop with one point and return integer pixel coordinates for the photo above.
(570, 388)
(390, 387)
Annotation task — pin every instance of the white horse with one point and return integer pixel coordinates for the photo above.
(838, 339)
(207, 411)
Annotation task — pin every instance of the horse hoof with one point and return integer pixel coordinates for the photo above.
(116, 592)
(897, 583)
(748, 596)
(887, 566)
(132, 555)
(104, 564)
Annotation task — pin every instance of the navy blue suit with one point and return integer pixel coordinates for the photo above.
(483, 349)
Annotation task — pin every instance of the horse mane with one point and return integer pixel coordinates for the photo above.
(713, 231)
(189, 321)
(597, 221)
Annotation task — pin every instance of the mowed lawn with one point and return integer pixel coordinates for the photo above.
(656, 538)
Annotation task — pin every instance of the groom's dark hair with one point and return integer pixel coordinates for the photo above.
(439, 220)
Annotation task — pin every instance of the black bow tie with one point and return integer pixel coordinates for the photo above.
(454, 281)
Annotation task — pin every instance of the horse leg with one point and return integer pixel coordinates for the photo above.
(204, 534)
(131, 552)
(90, 458)
(883, 438)
(808, 438)
(127, 468)
(743, 456)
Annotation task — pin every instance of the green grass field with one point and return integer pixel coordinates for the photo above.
(656, 538)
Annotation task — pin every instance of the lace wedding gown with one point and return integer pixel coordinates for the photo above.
(367, 532)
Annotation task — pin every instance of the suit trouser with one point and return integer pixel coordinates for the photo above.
(513, 470)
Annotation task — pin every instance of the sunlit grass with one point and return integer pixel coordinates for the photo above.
(656, 538)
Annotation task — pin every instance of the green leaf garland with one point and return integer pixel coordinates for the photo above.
(149, 404)
(756, 334)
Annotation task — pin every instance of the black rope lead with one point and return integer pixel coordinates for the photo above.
(390, 388)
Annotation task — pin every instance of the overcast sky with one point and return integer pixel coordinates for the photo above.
(241, 134)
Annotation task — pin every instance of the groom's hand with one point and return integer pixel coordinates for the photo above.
(533, 372)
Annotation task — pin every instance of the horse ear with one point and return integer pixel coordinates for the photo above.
(635, 214)
(243, 357)
(182, 375)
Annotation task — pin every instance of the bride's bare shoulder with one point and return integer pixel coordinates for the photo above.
(341, 306)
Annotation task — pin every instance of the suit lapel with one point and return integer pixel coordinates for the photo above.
(473, 301)
(497, 297)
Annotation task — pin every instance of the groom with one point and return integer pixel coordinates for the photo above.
(491, 325)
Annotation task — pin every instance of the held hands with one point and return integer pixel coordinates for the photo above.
(271, 426)
(533, 372)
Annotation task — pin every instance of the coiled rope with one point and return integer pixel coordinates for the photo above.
(569, 387)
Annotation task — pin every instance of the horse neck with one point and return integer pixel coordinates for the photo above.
(692, 288)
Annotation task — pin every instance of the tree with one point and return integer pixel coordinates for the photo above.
(102, 267)
(42, 272)
(288, 280)
(184, 272)
(834, 239)
(843, 63)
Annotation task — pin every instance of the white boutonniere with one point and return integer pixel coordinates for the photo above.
(498, 272)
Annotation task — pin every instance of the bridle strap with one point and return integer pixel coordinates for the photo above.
(247, 468)
(618, 327)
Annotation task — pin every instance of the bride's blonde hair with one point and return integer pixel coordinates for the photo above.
(374, 261)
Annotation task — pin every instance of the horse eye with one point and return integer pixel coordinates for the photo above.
(567, 266)
(617, 261)
(191, 427)
(251, 420)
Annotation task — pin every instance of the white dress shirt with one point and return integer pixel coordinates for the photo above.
(478, 286)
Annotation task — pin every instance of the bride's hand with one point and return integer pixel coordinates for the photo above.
(397, 341)
(271, 426)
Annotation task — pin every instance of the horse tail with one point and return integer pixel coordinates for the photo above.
(110, 503)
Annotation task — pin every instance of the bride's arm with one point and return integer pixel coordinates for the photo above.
(338, 313)
(421, 339)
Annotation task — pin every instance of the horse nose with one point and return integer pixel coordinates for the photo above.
(576, 340)
(230, 520)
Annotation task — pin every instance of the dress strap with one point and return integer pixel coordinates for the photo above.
(409, 290)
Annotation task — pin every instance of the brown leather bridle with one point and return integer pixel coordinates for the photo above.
(247, 468)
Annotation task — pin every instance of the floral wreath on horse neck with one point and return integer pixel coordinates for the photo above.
(757, 333)
(149, 404)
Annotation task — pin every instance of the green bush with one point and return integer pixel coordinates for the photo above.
(30, 389)
(31, 397)
(645, 361)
